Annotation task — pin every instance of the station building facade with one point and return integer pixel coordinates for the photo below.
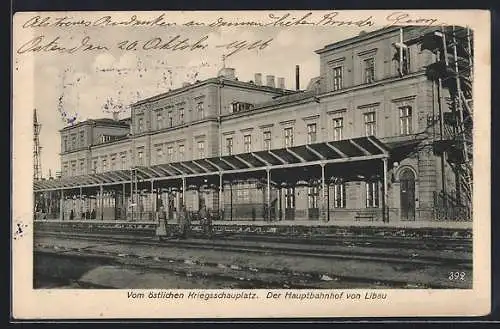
(366, 87)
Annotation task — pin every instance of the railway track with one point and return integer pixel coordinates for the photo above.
(276, 249)
(241, 277)
(387, 241)
(356, 240)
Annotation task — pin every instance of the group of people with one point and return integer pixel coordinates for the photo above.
(183, 219)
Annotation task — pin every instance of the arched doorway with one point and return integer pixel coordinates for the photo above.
(407, 194)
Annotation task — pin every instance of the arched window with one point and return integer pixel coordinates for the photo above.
(406, 174)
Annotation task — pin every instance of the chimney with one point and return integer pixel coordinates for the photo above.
(115, 116)
(258, 79)
(281, 83)
(297, 77)
(228, 73)
(270, 81)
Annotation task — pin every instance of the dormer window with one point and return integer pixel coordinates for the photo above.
(105, 138)
(240, 106)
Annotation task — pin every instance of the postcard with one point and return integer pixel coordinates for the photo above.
(251, 164)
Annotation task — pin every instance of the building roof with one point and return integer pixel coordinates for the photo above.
(101, 121)
(281, 100)
(217, 80)
(343, 151)
(368, 35)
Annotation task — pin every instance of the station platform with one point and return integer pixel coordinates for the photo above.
(459, 225)
(395, 224)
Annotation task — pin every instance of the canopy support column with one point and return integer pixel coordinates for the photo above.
(385, 213)
(81, 202)
(61, 208)
(324, 215)
(231, 198)
(268, 171)
(101, 201)
(221, 198)
(132, 198)
(183, 191)
(153, 200)
(124, 203)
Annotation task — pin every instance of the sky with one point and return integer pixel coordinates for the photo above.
(80, 83)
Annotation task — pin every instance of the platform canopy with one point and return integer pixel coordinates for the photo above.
(349, 150)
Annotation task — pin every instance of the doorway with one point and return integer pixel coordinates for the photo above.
(407, 194)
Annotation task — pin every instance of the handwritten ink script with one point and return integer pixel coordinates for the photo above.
(161, 20)
(19, 230)
(66, 44)
(171, 43)
(332, 19)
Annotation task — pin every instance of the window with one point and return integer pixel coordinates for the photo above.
(229, 145)
(105, 138)
(181, 116)
(113, 162)
(406, 61)
(371, 194)
(159, 120)
(267, 140)
(243, 192)
(201, 149)
(201, 111)
(289, 137)
(73, 141)
(337, 78)
(65, 144)
(140, 125)
(123, 161)
(370, 126)
(338, 126)
(104, 165)
(159, 154)
(181, 152)
(170, 153)
(402, 61)
(339, 195)
(82, 167)
(312, 196)
(73, 168)
(289, 198)
(247, 143)
(65, 170)
(311, 133)
(405, 121)
(82, 138)
(238, 107)
(369, 70)
(94, 166)
(170, 119)
(140, 155)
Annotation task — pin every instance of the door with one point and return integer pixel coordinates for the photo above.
(118, 206)
(312, 200)
(289, 203)
(407, 194)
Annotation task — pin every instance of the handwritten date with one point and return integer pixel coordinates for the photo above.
(175, 43)
(42, 44)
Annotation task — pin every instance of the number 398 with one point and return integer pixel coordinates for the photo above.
(456, 276)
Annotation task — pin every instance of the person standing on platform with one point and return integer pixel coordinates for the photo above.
(184, 222)
(205, 221)
(161, 219)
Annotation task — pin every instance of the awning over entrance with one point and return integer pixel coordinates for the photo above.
(349, 150)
